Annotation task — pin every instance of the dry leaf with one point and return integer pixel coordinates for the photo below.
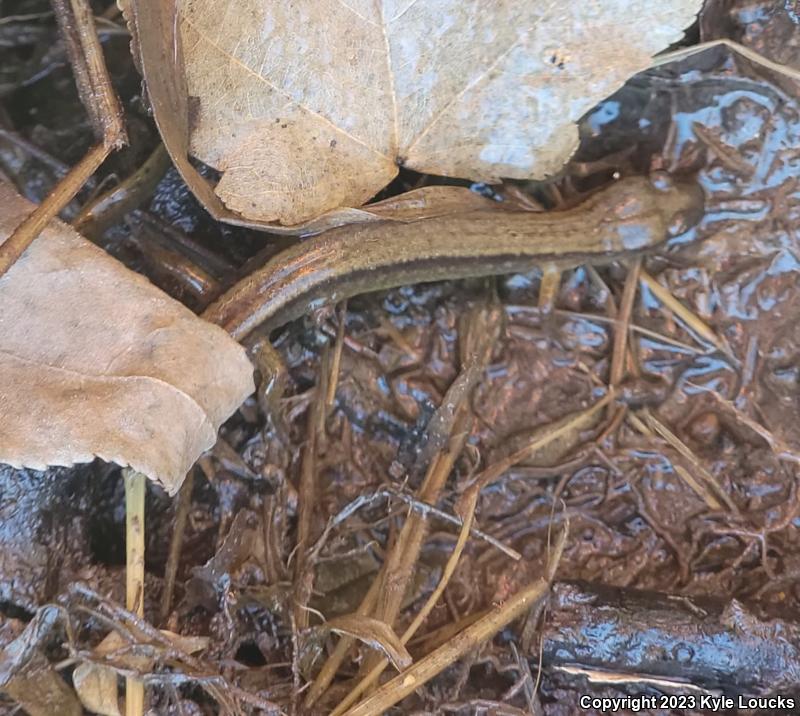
(96, 361)
(116, 647)
(375, 633)
(29, 678)
(96, 684)
(96, 687)
(309, 106)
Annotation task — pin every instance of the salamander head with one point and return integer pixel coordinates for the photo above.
(648, 210)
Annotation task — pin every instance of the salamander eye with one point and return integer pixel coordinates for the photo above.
(662, 181)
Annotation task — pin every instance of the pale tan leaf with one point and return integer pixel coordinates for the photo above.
(186, 643)
(96, 687)
(114, 646)
(122, 652)
(375, 633)
(96, 361)
(310, 106)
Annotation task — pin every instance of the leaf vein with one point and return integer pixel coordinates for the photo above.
(205, 37)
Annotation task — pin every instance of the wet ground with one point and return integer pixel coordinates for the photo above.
(688, 487)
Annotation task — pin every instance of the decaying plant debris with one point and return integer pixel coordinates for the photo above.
(444, 450)
(106, 362)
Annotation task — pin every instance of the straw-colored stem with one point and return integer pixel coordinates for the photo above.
(429, 666)
(551, 283)
(135, 484)
(690, 318)
(420, 618)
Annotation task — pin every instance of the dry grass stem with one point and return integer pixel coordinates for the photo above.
(649, 424)
(691, 319)
(171, 570)
(336, 357)
(622, 324)
(76, 23)
(494, 472)
(548, 290)
(135, 485)
(306, 499)
(450, 568)
(481, 631)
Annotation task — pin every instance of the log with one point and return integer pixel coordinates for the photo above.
(609, 635)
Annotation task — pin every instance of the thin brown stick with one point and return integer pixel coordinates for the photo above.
(691, 319)
(686, 451)
(336, 358)
(334, 661)
(76, 22)
(405, 553)
(481, 631)
(649, 425)
(306, 499)
(171, 570)
(35, 151)
(130, 193)
(420, 618)
(62, 194)
(727, 155)
(425, 508)
(621, 326)
(479, 334)
(402, 557)
(655, 335)
(781, 449)
(495, 471)
(430, 666)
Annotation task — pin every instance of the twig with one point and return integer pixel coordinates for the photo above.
(691, 319)
(400, 562)
(336, 358)
(728, 156)
(481, 631)
(622, 324)
(655, 335)
(306, 500)
(334, 661)
(76, 23)
(779, 447)
(424, 508)
(420, 618)
(181, 516)
(135, 484)
(131, 192)
(61, 195)
(495, 471)
(77, 27)
(647, 424)
(430, 666)
(35, 151)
